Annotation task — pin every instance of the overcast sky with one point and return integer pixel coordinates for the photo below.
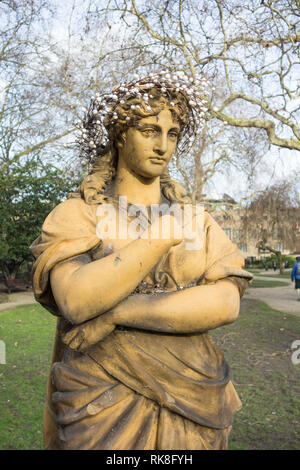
(277, 164)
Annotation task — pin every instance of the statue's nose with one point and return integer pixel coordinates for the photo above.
(161, 145)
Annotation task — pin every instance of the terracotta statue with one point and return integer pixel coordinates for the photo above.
(133, 365)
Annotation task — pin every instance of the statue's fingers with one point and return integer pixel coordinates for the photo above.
(90, 340)
(68, 337)
(86, 344)
(77, 341)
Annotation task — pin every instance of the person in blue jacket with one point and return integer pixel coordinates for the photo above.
(296, 276)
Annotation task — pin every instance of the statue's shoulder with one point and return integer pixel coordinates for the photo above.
(197, 208)
(72, 212)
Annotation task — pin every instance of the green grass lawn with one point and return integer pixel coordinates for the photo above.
(286, 275)
(258, 349)
(28, 333)
(257, 346)
(264, 283)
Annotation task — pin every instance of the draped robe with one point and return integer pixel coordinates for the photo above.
(137, 389)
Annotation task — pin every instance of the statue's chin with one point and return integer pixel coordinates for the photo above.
(148, 175)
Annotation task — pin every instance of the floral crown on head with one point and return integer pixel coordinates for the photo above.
(92, 134)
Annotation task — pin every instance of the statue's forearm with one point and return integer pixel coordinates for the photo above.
(190, 310)
(85, 290)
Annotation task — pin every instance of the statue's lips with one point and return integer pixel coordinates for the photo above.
(157, 160)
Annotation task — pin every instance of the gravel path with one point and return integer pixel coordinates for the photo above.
(16, 299)
(280, 298)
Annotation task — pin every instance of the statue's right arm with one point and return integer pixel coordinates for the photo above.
(84, 289)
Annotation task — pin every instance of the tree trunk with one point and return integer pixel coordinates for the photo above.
(281, 267)
(277, 253)
(10, 270)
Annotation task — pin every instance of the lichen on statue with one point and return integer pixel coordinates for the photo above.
(133, 365)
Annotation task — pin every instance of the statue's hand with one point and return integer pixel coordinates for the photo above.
(165, 228)
(81, 337)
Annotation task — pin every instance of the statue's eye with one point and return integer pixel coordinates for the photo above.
(148, 132)
(173, 135)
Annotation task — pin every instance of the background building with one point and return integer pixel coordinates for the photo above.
(231, 217)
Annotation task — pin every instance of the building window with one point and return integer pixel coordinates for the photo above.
(261, 250)
(278, 247)
(243, 247)
(237, 234)
(228, 232)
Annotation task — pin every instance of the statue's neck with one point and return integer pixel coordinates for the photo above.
(137, 189)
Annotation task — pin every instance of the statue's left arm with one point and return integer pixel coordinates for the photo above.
(192, 310)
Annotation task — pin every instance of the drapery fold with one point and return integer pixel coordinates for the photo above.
(135, 382)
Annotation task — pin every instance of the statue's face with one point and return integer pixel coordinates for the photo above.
(148, 148)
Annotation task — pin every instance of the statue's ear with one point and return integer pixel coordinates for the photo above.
(121, 140)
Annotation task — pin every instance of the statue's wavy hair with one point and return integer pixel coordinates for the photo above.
(103, 170)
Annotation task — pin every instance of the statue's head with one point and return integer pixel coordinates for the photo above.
(111, 115)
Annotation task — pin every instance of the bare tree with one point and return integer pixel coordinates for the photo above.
(202, 162)
(47, 78)
(249, 52)
(24, 111)
(271, 218)
(252, 48)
